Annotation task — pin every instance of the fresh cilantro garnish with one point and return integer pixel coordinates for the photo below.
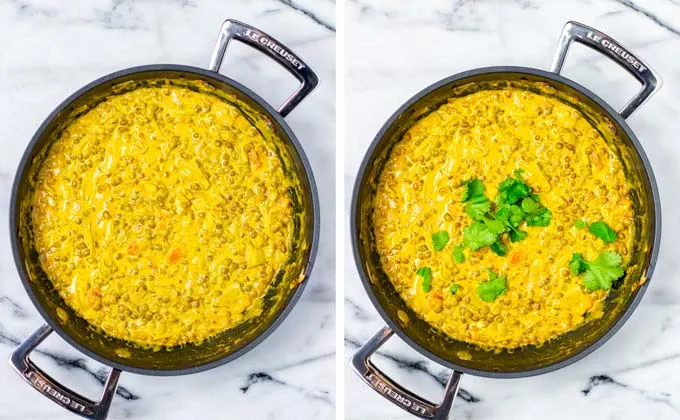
(529, 205)
(517, 235)
(512, 190)
(514, 204)
(488, 291)
(599, 273)
(540, 217)
(478, 235)
(602, 231)
(473, 189)
(511, 215)
(454, 288)
(439, 240)
(578, 265)
(458, 255)
(478, 207)
(426, 274)
(518, 172)
(499, 248)
(579, 224)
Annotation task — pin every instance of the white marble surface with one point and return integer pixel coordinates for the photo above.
(394, 49)
(47, 50)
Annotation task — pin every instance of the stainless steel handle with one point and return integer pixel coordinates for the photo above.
(602, 43)
(52, 389)
(403, 398)
(233, 29)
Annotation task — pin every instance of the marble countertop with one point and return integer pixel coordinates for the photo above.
(396, 48)
(47, 51)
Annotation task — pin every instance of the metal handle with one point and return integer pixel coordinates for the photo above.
(602, 43)
(52, 389)
(403, 398)
(274, 49)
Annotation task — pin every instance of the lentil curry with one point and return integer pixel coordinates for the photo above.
(164, 214)
(522, 147)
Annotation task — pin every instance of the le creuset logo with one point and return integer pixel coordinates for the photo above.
(384, 388)
(258, 37)
(617, 49)
(42, 386)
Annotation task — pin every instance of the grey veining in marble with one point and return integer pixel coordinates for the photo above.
(396, 48)
(49, 49)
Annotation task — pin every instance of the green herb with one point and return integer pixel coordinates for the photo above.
(499, 248)
(473, 189)
(458, 255)
(529, 205)
(439, 240)
(602, 231)
(580, 224)
(511, 215)
(512, 190)
(518, 172)
(454, 288)
(578, 265)
(426, 274)
(488, 291)
(540, 217)
(517, 235)
(601, 273)
(478, 235)
(478, 207)
(495, 226)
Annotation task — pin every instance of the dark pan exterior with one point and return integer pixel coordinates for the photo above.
(188, 358)
(434, 344)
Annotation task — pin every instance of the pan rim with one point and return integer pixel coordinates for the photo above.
(528, 71)
(276, 321)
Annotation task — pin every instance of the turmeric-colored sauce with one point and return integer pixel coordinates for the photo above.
(162, 215)
(487, 135)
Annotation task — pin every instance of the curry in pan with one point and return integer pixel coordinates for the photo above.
(503, 218)
(163, 214)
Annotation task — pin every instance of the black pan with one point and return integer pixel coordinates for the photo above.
(566, 349)
(177, 360)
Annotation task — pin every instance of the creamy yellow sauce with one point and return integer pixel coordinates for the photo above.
(487, 135)
(162, 215)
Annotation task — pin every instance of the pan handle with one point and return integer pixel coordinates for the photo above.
(604, 44)
(233, 29)
(52, 389)
(403, 398)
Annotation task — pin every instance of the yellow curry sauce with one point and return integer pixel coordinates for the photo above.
(162, 215)
(487, 135)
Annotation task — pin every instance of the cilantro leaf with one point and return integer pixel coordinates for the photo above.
(512, 190)
(439, 240)
(540, 217)
(458, 255)
(426, 274)
(579, 224)
(603, 271)
(473, 189)
(499, 248)
(454, 288)
(478, 207)
(488, 291)
(518, 172)
(529, 205)
(511, 215)
(478, 235)
(602, 231)
(517, 235)
(578, 265)
(495, 226)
